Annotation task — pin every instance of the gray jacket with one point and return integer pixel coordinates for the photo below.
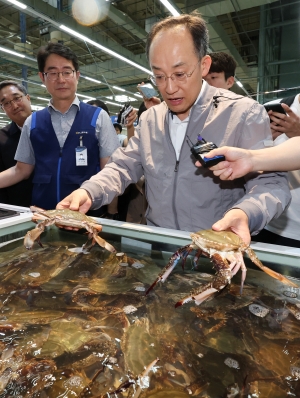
(182, 196)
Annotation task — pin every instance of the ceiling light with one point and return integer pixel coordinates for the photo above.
(171, 8)
(32, 11)
(239, 83)
(107, 50)
(138, 95)
(85, 96)
(18, 4)
(43, 99)
(119, 88)
(92, 80)
(12, 52)
(43, 85)
(113, 103)
(121, 98)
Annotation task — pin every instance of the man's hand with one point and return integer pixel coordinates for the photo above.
(288, 124)
(149, 102)
(235, 220)
(131, 118)
(78, 200)
(237, 164)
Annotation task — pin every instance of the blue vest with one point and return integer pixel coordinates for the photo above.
(56, 174)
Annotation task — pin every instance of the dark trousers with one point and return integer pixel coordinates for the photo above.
(266, 236)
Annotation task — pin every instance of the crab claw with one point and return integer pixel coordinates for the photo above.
(205, 292)
(101, 242)
(31, 237)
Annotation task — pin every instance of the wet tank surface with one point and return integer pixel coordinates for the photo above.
(75, 324)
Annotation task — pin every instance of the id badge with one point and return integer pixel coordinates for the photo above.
(81, 156)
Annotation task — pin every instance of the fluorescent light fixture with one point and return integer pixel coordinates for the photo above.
(32, 11)
(44, 99)
(12, 52)
(171, 8)
(107, 50)
(239, 83)
(138, 95)
(18, 4)
(43, 85)
(119, 88)
(92, 80)
(113, 103)
(85, 96)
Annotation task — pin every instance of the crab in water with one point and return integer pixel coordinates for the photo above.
(64, 218)
(226, 250)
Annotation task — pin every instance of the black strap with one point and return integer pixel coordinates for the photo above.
(288, 100)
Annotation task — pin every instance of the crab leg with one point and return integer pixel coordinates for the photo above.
(181, 253)
(267, 270)
(237, 263)
(143, 376)
(35, 233)
(220, 280)
(196, 258)
(96, 238)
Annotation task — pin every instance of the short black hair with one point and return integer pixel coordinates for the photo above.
(59, 49)
(118, 126)
(141, 110)
(194, 23)
(222, 62)
(100, 104)
(19, 86)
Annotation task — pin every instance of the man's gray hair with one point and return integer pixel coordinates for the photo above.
(19, 86)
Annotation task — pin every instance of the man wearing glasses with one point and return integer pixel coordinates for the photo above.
(65, 143)
(15, 102)
(180, 195)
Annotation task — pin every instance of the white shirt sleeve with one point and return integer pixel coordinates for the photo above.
(106, 134)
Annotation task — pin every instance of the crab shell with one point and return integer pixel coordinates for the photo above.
(213, 241)
(64, 217)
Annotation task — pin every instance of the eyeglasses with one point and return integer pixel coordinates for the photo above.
(160, 80)
(53, 76)
(8, 104)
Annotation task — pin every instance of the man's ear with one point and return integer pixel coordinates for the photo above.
(230, 82)
(205, 64)
(42, 77)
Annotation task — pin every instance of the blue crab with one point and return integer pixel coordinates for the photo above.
(64, 218)
(226, 251)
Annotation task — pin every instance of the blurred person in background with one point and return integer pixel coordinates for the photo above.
(100, 104)
(15, 102)
(222, 70)
(121, 137)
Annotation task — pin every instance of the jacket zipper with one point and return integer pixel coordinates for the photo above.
(176, 170)
(58, 177)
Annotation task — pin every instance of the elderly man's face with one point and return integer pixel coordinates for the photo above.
(173, 51)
